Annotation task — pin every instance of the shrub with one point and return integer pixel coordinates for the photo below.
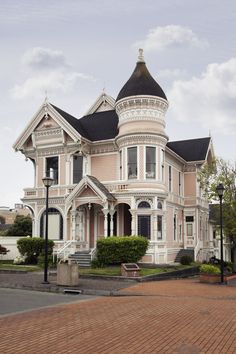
(121, 249)
(186, 260)
(32, 247)
(3, 250)
(209, 269)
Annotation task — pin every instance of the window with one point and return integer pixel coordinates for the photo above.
(162, 164)
(170, 178)
(189, 218)
(150, 162)
(52, 168)
(144, 205)
(132, 162)
(77, 168)
(120, 164)
(174, 227)
(144, 225)
(159, 205)
(180, 232)
(159, 227)
(179, 183)
(190, 230)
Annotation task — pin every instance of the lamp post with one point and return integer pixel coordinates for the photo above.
(220, 191)
(47, 181)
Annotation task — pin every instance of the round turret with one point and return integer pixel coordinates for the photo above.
(141, 105)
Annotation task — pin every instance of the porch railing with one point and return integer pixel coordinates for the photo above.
(64, 251)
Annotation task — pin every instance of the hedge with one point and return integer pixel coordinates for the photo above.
(121, 249)
(32, 247)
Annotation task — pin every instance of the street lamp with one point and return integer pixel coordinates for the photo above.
(220, 191)
(47, 181)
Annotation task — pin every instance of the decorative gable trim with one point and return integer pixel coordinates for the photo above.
(103, 103)
(46, 109)
(85, 183)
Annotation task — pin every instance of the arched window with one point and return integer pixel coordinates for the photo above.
(159, 205)
(55, 224)
(145, 205)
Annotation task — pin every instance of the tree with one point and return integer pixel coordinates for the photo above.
(221, 171)
(2, 220)
(22, 226)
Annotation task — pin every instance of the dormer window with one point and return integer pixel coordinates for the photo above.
(150, 162)
(132, 162)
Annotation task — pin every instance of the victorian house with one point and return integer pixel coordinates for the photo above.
(116, 173)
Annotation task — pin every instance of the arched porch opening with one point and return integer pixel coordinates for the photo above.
(123, 219)
(55, 224)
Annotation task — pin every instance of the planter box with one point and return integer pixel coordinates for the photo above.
(215, 278)
(130, 270)
(209, 278)
(67, 274)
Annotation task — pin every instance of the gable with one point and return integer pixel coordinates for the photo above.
(46, 126)
(103, 103)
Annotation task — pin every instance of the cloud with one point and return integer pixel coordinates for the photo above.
(41, 58)
(172, 73)
(160, 38)
(209, 100)
(49, 72)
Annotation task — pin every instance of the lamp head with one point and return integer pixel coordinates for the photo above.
(47, 181)
(220, 190)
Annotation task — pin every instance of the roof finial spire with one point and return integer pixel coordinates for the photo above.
(140, 56)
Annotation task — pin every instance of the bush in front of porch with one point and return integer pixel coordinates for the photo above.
(32, 247)
(120, 249)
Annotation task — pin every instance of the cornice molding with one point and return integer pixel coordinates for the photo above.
(137, 139)
(142, 102)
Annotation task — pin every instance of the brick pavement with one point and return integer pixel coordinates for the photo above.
(176, 316)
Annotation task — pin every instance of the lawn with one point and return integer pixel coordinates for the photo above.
(10, 266)
(106, 271)
(115, 270)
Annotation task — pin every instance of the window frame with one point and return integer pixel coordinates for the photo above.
(153, 163)
(132, 165)
(47, 170)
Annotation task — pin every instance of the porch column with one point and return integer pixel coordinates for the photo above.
(73, 218)
(133, 215)
(105, 212)
(112, 212)
(81, 225)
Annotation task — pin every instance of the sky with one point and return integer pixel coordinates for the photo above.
(72, 50)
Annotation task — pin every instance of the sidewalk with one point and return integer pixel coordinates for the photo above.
(87, 285)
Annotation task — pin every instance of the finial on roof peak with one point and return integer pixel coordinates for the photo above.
(140, 56)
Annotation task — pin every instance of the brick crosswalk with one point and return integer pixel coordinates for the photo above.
(176, 316)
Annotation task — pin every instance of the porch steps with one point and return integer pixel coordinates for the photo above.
(83, 258)
(184, 252)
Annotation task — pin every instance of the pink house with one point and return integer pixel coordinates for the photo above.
(116, 173)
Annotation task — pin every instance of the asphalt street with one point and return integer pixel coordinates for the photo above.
(17, 300)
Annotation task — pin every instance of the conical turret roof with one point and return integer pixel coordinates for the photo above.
(141, 82)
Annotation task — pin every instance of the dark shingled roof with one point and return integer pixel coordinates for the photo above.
(191, 150)
(94, 127)
(141, 83)
(102, 188)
